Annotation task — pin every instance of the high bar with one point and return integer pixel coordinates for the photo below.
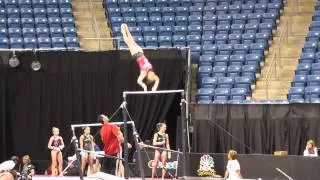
(98, 124)
(153, 92)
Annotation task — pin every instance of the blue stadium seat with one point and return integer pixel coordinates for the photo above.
(186, 3)
(113, 12)
(234, 70)
(241, 49)
(30, 43)
(265, 28)
(206, 60)
(221, 60)
(199, 2)
(3, 13)
(154, 11)
(14, 32)
(141, 11)
(225, 49)
(165, 41)
(4, 43)
(67, 22)
(237, 28)
(13, 12)
(195, 30)
(136, 31)
(124, 3)
(58, 42)
(69, 32)
(3, 33)
(42, 32)
(257, 48)
(296, 95)
(274, 7)
(303, 69)
(262, 38)
(181, 20)
(313, 36)
(205, 94)
(195, 52)
(221, 39)
(269, 17)
(56, 32)
(222, 9)
(251, 28)
(204, 102)
(209, 10)
(209, 20)
(11, 3)
(38, 3)
(247, 8)
(224, 19)
(307, 58)
(195, 20)
(219, 71)
(234, 38)
(174, 3)
(234, 9)
(168, 20)
(16, 43)
(212, 3)
(196, 10)
(238, 94)
(243, 82)
(161, 3)
(53, 12)
(208, 82)
(151, 41)
(260, 8)
(182, 11)
(209, 49)
(313, 80)
(312, 93)
(26, 13)
(72, 42)
(139, 40)
(225, 82)
(116, 21)
(316, 15)
(65, 4)
(254, 18)
(204, 71)
(25, 3)
(155, 20)
(66, 12)
(249, 70)
(180, 30)
(52, 4)
(237, 60)
(149, 31)
(209, 29)
(40, 12)
(315, 68)
(44, 42)
(310, 47)
(14, 22)
(253, 59)
(223, 29)
(130, 21)
(207, 39)
(165, 30)
(221, 95)
(127, 11)
(27, 22)
(168, 11)
(149, 3)
(179, 40)
(299, 81)
(54, 22)
(136, 3)
(239, 18)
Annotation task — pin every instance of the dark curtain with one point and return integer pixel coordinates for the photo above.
(258, 128)
(75, 87)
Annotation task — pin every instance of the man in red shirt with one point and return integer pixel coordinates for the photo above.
(111, 137)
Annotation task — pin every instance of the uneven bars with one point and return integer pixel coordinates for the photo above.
(153, 92)
(98, 124)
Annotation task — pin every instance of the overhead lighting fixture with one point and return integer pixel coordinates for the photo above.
(35, 65)
(14, 61)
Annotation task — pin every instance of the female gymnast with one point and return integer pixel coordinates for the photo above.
(146, 71)
(56, 144)
(87, 143)
(161, 140)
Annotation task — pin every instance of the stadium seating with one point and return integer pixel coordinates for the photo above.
(228, 39)
(37, 24)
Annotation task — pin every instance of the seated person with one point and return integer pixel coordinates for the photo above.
(311, 149)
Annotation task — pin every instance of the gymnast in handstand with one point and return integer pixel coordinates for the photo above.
(146, 71)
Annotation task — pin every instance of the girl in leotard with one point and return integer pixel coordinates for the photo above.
(87, 143)
(56, 144)
(146, 70)
(161, 140)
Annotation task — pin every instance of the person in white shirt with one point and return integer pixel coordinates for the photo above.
(311, 149)
(233, 166)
